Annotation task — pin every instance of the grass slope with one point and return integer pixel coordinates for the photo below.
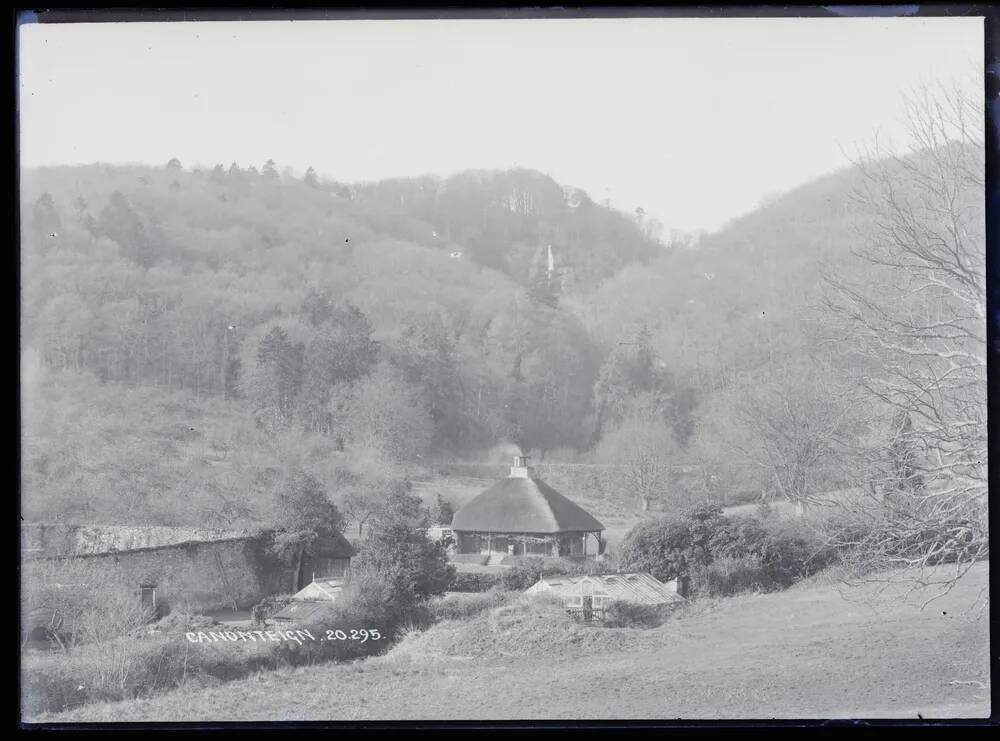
(819, 650)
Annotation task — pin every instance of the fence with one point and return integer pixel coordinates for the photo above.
(587, 615)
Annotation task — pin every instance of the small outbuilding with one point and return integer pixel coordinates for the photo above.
(302, 612)
(321, 590)
(590, 595)
(311, 600)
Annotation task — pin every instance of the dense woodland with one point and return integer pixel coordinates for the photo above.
(196, 339)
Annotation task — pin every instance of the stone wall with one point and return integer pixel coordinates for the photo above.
(54, 539)
(194, 576)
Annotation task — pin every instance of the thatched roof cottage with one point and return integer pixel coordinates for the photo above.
(521, 515)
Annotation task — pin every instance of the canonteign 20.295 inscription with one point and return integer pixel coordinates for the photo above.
(299, 636)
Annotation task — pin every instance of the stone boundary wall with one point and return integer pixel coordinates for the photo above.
(41, 540)
(192, 576)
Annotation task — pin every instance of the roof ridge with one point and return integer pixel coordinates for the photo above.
(548, 505)
(553, 491)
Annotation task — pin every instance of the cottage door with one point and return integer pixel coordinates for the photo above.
(147, 597)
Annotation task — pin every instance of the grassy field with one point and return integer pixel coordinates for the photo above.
(818, 650)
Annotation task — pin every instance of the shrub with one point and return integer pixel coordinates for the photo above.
(145, 665)
(123, 669)
(730, 575)
(140, 667)
(763, 510)
(742, 496)
(465, 606)
(182, 622)
(398, 567)
(524, 572)
(50, 686)
(723, 555)
(443, 511)
(310, 652)
(78, 602)
(269, 607)
(472, 582)
(619, 614)
(784, 551)
(669, 547)
(350, 615)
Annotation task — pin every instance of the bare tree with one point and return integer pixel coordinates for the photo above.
(360, 508)
(365, 484)
(75, 601)
(797, 423)
(917, 320)
(387, 414)
(645, 450)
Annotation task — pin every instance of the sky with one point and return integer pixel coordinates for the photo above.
(693, 120)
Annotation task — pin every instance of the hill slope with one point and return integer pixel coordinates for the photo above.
(165, 281)
(803, 653)
(743, 293)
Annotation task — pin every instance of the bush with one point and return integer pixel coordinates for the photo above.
(142, 666)
(784, 552)
(50, 687)
(742, 496)
(124, 669)
(472, 582)
(723, 555)
(92, 607)
(730, 575)
(350, 615)
(465, 606)
(398, 567)
(524, 572)
(181, 622)
(310, 652)
(670, 547)
(619, 614)
(269, 607)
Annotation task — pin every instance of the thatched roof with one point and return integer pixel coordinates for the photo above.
(523, 505)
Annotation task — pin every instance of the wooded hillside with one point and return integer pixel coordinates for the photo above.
(186, 332)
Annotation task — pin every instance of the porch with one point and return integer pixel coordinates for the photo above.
(570, 545)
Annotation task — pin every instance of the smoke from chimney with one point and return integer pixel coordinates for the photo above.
(502, 454)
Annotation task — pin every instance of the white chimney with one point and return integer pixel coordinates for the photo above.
(520, 469)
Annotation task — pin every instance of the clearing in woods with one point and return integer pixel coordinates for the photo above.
(818, 650)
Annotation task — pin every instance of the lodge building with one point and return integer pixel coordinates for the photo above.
(523, 516)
